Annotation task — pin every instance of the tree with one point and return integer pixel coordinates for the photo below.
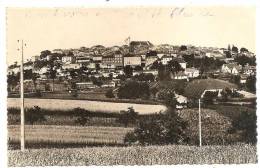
(12, 81)
(234, 49)
(251, 83)
(83, 116)
(96, 81)
(97, 65)
(174, 66)
(243, 60)
(138, 68)
(34, 114)
(128, 70)
(209, 96)
(133, 90)
(189, 59)
(183, 48)
(52, 74)
(235, 79)
(228, 54)
(155, 65)
(129, 116)
(229, 48)
(34, 78)
(159, 129)
(110, 94)
(246, 122)
(243, 50)
(225, 94)
(44, 54)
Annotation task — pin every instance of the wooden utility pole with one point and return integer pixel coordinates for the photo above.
(200, 125)
(22, 101)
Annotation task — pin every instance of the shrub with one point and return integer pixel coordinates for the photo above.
(110, 94)
(83, 116)
(34, 114)
(128, 116)
(159, 129)
(38, 93)
(209, 96)
(74, 93)
(251, 83)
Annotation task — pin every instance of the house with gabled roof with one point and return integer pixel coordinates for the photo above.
(232, 68)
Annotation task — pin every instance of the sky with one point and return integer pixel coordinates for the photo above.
(52, 28)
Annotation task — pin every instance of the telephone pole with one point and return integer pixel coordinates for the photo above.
(200, 125)
(22, 100)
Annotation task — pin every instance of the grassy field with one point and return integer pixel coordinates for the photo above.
(216, 124)
(136, 155)
(38, 134)
(95, 106)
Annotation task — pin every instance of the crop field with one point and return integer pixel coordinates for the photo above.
(135, 155)
(95, 106)
(68, 134)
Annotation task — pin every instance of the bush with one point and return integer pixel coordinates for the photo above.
(38, 93)
(209, 96)
(83, 116)
(251, 84)
(34, 114)
(75, 93)
(129, 116)
(110, 94)
(159, 129)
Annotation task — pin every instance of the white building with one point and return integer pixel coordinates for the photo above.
(150, 60)
(68, 59)
(165, 59)
(231, 68)
(132, 60)
(71, 66)
(35, 58)
(192, 72)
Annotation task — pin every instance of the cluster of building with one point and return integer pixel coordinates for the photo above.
(103, 61)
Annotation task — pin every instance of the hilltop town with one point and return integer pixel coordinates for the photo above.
(102, 72)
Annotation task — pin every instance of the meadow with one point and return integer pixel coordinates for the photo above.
(95, 106)
(135, 155)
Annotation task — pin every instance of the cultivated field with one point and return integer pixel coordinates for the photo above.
(136, 155)
(94, 106)
(38, 134)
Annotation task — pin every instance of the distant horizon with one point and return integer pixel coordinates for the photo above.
(70, 28)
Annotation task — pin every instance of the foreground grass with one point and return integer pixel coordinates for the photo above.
(150, 155)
